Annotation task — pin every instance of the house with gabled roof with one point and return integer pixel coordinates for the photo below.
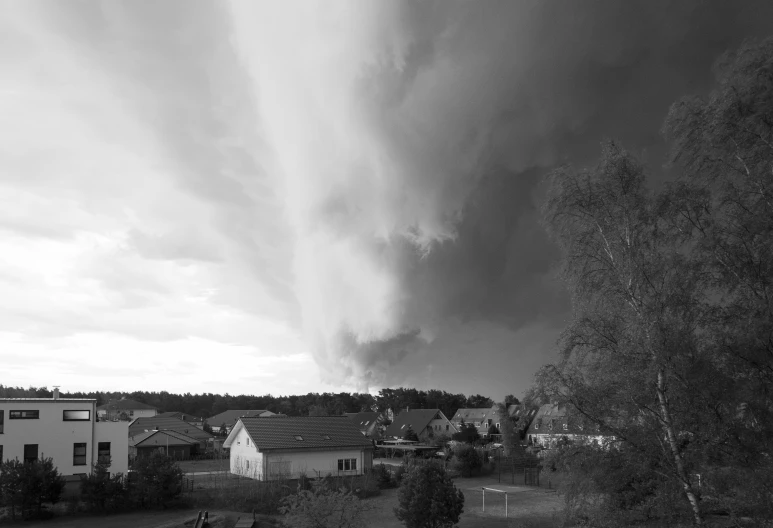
(124, 410)
(198, 421)
(228, 418)
(176, 445)
(426, 423)
(370, 423)
(167, 423)
(482, 419)
(554, 421)
(276, 447)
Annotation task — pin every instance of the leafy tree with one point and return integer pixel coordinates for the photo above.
(223, 431)
(26, 486)
(322, 507)
(410, 434)
(469, 434)
(158, 480)
(466, 460)
(318, 410)
(511, 400)
(102, 491)
(428, 498)
(493, 429)
(479, 402)
(207, 428)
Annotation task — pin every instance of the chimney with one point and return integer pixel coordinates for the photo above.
(56, 392)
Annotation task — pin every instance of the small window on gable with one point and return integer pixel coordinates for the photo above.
(248, 440)
(299, 438)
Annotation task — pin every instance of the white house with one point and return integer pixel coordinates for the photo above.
(554, 422)
(272, 447)
(64, 429)
(124, 409)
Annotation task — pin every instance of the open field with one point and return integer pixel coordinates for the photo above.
(528, 507)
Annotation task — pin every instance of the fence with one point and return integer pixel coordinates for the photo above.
(520, 467)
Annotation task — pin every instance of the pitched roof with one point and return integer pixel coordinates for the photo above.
(364, 419)
(476, 415)
(161, 438)
(560, 419)
(180, 416)
(121, 405)
(139, 425)
(416, 419)
(230, 416)
(301, 432)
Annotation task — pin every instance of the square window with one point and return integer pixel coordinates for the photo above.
(76, 416)
(79, 454)
(24, 415)
(30, 452)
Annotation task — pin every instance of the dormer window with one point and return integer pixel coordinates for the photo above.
(299, 438)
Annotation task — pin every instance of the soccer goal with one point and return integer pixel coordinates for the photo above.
(494, 491)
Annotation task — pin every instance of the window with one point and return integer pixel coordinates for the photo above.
(103, 452)
(497, 425)
(1, 454)
(76, 416)
(248, 463)
(24, 415)
(298, 437)
(248, 443)
(30, 452)
(325, 437)
(79, 454)
(446, 427)
(2, 424)
(566, 427)
(347, 464)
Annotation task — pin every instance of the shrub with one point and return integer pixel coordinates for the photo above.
(428, 498)
(383, 476)
(103, 492)
(323, 507)
(158, 480)
(24, 486)
(466, 460)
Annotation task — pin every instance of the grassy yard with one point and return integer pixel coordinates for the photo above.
(199, 466)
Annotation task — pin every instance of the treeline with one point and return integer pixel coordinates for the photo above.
(326, 403)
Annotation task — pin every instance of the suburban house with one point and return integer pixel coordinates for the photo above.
(176, 445)
(481, 419)
(426, 423)
(166, 423)
(229, 418)
(275, 447)
(370, 423)
(64, 429)
(194, 420)
(125, 410)
(555, 421)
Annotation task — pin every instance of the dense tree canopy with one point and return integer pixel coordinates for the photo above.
(670, 348)
(315, 404)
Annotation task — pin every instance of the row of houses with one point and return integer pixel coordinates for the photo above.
(262, 445)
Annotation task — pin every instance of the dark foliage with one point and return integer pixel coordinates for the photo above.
(428, 498)
(26, 486)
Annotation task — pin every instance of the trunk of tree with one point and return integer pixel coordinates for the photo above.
(675, 451)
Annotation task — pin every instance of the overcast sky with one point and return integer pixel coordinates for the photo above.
(286, 197)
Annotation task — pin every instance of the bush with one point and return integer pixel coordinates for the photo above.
(323, 507)
(103, 492)
(158, 480)
(466, 460)
(24, 486)
(383, 477)
(428, 498)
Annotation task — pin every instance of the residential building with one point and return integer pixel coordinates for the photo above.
(553, 422)
(370, 423)
(273, 447)
(481, 419)
(64, 429)
(426, 423)
(176, 445)
(125, 410)
(198, 421)
(204, 440)
(229, 418)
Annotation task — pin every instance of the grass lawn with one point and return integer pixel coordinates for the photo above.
(197, 466)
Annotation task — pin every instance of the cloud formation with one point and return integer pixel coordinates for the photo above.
(355, 182)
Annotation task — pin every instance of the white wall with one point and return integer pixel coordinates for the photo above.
(117, 433)
(54, 436)
(245, 459)
(318, 463)
(442, 427)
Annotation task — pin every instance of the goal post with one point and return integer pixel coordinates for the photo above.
(494, 491)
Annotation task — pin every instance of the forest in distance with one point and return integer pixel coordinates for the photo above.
(312, 404)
